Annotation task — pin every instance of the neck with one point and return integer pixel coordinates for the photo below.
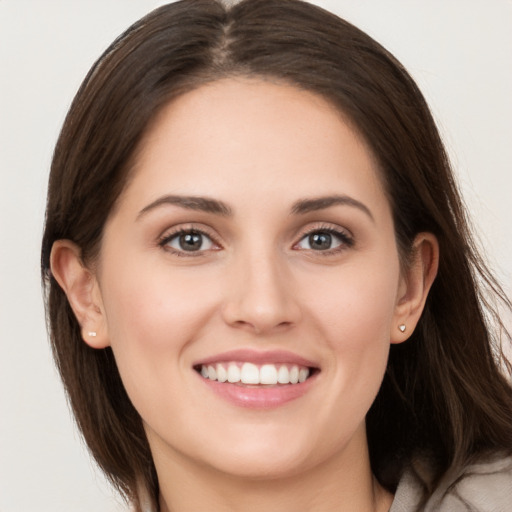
(341, 483)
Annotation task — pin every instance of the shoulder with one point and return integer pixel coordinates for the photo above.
(485, 486)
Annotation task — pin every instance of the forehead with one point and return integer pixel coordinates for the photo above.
(248, 133)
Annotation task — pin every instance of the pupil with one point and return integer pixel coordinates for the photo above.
(190, 241)
(321, 241)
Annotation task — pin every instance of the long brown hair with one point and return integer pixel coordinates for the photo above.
(443, 395)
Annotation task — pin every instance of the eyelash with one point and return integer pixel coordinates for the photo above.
(168, 237)
(346, 240)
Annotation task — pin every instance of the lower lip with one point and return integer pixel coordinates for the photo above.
(259, 397)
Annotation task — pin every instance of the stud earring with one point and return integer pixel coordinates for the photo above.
(92, 334)
(402, 327)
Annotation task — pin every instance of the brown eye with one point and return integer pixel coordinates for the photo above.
(325, 240)
(189, 241)
(320, 241)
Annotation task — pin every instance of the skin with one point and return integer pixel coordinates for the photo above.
(258, 147)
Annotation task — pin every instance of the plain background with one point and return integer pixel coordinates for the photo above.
(459, 52)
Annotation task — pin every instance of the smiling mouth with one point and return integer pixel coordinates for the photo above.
(244, 373)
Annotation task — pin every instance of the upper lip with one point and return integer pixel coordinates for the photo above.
(258, 357)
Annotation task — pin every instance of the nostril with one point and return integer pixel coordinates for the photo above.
(262, 304)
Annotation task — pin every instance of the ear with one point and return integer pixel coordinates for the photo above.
(415, 284)
(82, 290)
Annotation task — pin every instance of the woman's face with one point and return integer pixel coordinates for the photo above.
(254, 242)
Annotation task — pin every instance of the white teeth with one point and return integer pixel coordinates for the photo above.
(212, 373)
(283, 375)
(233, 373)
(268, 374)
(248, 373)
(222, 374)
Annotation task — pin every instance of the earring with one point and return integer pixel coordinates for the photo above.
(92, 334)
(402, 327)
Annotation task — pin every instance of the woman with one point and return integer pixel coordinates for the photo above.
(262, 291)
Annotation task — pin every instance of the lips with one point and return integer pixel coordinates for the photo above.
(257, 379)
(258, 357)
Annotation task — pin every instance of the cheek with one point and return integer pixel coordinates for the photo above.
(354, 313)
(152, 316)
(356, 306)
(156, 306)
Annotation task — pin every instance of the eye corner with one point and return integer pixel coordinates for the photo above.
(188, 241)
(325, 240)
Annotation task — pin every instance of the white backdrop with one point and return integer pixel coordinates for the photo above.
(459, 52)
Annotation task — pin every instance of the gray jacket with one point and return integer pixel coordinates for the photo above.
(482, 487)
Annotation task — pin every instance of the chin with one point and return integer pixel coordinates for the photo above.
(268, 465)
(268, 452)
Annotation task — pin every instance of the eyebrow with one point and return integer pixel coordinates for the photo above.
(209, 205)
(303, 206)
(202, 204)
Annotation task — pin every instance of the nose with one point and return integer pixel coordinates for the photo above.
(260, 295)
